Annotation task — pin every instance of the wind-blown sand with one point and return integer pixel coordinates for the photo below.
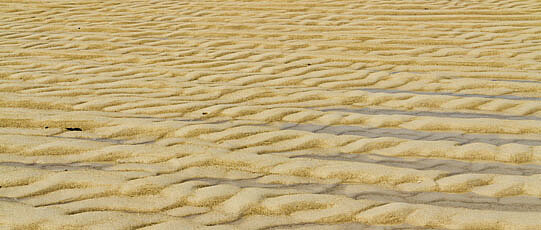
(270, 115)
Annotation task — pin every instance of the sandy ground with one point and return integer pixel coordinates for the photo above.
(270, 115)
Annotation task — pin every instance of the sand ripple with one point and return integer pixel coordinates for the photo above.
(270, 115)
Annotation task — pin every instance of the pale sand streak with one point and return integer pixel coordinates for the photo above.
(270, 115)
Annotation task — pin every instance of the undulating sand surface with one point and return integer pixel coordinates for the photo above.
(270, 114)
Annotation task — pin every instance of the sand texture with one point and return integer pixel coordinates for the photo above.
(270, 114)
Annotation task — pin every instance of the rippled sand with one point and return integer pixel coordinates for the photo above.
(270, 115)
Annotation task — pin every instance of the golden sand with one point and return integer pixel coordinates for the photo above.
(270, 115)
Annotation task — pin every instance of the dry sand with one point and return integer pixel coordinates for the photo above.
(270, 115)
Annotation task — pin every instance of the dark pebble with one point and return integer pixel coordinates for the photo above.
(74, 129)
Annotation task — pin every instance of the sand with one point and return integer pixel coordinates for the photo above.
(270, 115)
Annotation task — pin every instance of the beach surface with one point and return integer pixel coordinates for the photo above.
(270, 114)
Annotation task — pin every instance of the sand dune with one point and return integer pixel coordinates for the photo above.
(270, 115)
